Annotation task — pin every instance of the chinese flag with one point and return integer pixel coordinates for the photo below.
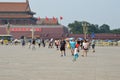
(54, 19)
(47, 18)
(38, 19)
(61, 17)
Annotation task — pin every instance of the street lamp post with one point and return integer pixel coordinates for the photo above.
(32, 30)
(8, 28)
(85, 29)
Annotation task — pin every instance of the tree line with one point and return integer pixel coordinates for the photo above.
(77, 28)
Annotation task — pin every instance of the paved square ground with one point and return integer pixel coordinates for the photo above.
(22, 63)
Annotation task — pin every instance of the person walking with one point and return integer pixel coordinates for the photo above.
(33, 44)
(72, 46)
(39, 42)
(57, 43)
(93, 45)
(43, 42)
(76, 51)
(23, 42)
(75, 54)
(85, 48)
(30, 43)
(62, 47)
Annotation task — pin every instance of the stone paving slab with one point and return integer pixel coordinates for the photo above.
(22, 63)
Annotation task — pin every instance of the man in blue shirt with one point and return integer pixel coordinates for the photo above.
(72, 46)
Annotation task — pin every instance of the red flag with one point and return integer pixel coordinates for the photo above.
(47, 18)
(38, 19)
(54, 19)
(61, 17)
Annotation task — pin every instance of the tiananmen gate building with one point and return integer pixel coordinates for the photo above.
(21, 22)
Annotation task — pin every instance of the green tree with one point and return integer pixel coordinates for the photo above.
(93, 28)
(115, 31)
(75, 27)
(104, 28)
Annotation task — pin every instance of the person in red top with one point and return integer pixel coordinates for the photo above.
(76, 51)
(77, 45)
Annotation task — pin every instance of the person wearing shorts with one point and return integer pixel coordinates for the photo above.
(72, 46)
(62, 47)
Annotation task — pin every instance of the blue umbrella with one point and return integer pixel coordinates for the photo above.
(71, 38)
(109, 40)
(80, 39)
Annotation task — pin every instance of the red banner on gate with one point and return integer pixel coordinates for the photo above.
(24, 29)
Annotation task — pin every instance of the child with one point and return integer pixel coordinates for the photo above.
(75, 54)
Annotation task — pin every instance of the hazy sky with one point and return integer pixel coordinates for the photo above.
(94, 11)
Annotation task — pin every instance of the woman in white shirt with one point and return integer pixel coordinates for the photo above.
(85, 48)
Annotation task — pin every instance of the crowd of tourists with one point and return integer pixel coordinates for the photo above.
(75, 46)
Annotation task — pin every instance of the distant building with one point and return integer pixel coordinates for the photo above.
(16, 13)
(21, 22)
